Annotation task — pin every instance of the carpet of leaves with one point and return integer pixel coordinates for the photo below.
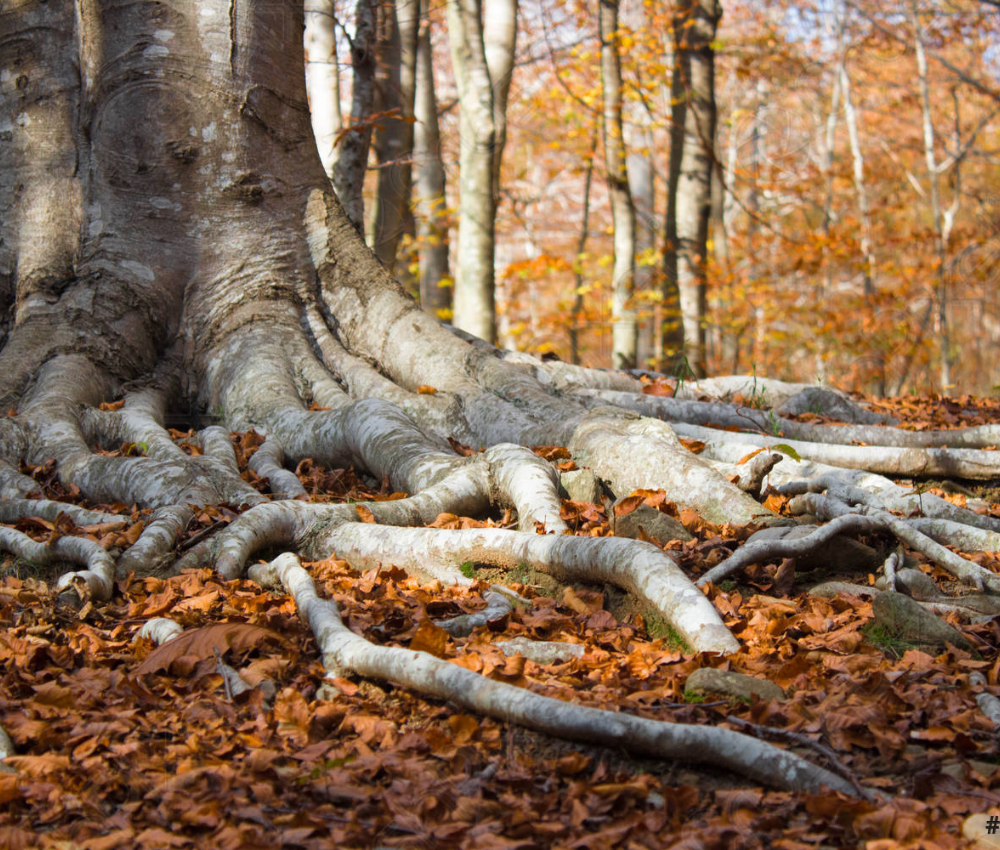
(119, 748)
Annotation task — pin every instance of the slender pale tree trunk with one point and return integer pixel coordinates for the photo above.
(393, 140)
(352, 160)
(695, 24)
(500, 40)
(641, 186)
(623, 324)
(930, 157)
(581, 247)
(436, 285)
(323, 78)
(867, 249)
(824, 285)
(472, 48)
(671, 349)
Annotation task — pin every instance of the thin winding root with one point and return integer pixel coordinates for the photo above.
(756, 551)
(6, 749)
(12, 510)
(640, 568)
(267, 462)
(847, 520)
(14, 484)
(961, 463)
(426, 674)
(497, 605)
(860, 488)
(100, 573)
(827, 507)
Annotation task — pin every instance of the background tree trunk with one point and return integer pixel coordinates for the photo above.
(431, 203)
(323, 79)
(930, 157)
(642, 189)
(352, 160)
(624, 333)
(693, 127)
(476, 55)
(395, 84)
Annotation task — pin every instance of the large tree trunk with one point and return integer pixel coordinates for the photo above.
(170, 239)
(692, 155)
(623, 325)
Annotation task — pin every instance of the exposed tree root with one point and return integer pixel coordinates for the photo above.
(497, 606)
(159, 630)
(827, 507)
(640, 568)
(13, 484)
(268, 462)
(99, 575)
(345, 651)
(154, 550)
(320, 530)
(958, 463)
(847, 520)
(6, 749)
(12, 510)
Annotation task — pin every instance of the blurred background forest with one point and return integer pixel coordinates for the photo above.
(854, 170)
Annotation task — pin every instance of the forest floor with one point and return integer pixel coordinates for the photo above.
(121, 744)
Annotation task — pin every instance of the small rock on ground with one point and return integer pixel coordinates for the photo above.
(655, 523)
(906, 619)
(581, 485)
(708, 680)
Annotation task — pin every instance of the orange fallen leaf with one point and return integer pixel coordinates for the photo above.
(430, 638)
(423, 389)
(745, 458)
(695, 446)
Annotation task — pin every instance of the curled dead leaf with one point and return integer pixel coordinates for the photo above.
(202, 643)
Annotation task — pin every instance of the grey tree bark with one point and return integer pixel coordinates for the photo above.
(482, 59)
(692, 155)
(624, 331)
(352, 158)
(436, 285)
(395, 83)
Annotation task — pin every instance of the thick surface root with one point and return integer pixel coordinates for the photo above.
(344, 651)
